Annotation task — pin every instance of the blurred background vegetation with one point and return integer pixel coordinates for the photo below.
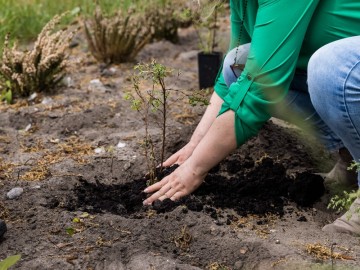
(24, 19)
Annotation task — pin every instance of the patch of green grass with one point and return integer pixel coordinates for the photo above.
(24, 19)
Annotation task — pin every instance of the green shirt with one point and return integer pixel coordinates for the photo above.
(283, 35)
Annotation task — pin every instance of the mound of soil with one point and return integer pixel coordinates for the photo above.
(262, 189)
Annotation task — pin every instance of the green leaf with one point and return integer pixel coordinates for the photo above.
(70, 231)
(76, 220)
(9, 261)
(8, 97)
(75, 11)
(8, 84)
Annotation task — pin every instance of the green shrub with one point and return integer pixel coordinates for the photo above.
(152, 104)
(344, 201)
(147, 102)
(165, 19)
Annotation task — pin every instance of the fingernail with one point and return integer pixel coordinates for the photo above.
(146, 202)
(146, 190)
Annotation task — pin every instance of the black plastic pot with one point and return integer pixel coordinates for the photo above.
(209, 65)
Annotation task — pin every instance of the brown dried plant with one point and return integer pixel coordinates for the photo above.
(183, 240)
(40, 69)
(117, 38)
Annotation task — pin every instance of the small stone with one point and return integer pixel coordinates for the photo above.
(99, 150)
(277, 241)
(121, 145)
(97, 85)
(55, 140)
(68, 81)
(127, 166)
(15, 193)
(28, 127)
(47, 101)
(3, 228)
(108, 72)
(32, 96)
(243, 250)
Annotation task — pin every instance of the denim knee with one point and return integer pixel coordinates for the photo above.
(241, 55)
(319, 75)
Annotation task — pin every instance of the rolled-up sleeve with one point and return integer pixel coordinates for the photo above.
(276, 41)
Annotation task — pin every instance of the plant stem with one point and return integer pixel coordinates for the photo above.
(162, 84)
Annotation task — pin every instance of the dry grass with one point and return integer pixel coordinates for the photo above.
(217, 266)
(6, 169)
(40, 69)
(249, 223)
(4, 213)
(5, 139)
(37, 147)
(16, 106)
(73, 148)
(184, 239)
(324, 253)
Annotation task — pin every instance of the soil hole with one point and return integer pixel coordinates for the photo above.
(264, 188)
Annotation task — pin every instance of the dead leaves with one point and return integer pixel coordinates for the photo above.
(324, 253)
(183, 240)
(73, 148)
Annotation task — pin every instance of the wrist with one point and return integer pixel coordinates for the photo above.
(197, 170)
(194, 141)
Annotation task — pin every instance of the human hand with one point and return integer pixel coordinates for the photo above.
(178, 184)
(180, 156)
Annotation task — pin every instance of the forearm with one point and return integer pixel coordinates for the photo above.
(218, 143)
(208, 118)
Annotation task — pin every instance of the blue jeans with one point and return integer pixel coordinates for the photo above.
(296, 108)
(334, 86)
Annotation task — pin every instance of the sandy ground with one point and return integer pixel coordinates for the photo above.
(81, 205)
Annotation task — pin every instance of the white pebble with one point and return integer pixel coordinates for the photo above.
(121, 145)
(47, 101)
(28, 127)
(32, 96)
(15, 193)
(99, 150)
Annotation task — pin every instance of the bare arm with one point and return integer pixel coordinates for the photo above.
(208, 118)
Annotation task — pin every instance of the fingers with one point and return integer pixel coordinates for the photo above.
(178, 195)
(181, 182)
(156, 186)
(167, 191)
(171, 160)
(169, 194)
